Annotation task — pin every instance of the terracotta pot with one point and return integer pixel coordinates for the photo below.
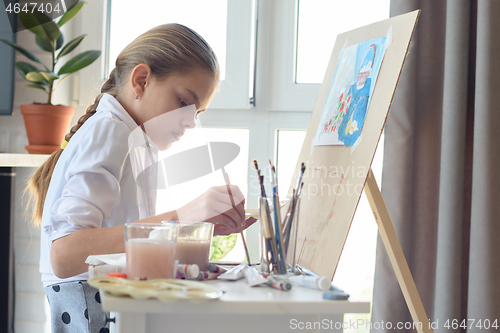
(46, 126)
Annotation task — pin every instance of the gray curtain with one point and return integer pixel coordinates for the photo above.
(441, 180)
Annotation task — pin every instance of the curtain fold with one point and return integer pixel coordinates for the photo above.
(449, 271)
(441, 156)
(484, 271)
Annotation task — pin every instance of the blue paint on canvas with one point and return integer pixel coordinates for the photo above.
(350, 93)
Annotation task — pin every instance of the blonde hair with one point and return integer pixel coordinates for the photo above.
(166, 49)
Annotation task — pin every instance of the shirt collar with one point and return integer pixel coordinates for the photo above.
(111, 104)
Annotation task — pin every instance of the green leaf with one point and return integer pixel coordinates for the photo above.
(49, 76)
(80, 61)
(222, 245)
(35, 77)
(70, 46)
(70, 13)
(34, 22)
(34, 85)
(60, 41)
(41, 77)
(24, 68)
(23, 51)
(45, 45)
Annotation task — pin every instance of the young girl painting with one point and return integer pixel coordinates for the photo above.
(86, 190)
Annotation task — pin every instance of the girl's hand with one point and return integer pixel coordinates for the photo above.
(223, 230)
(217, 206)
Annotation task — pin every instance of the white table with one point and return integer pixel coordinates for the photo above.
(241, 309)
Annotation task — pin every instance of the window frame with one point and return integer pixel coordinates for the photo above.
(234, 89)
(286, 94)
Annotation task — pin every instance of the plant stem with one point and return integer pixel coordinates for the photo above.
(53, 69)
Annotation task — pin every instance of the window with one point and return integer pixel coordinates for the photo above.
(289, 144)
(228, 29)
(307, 30)
(211, 27)
(327, 19)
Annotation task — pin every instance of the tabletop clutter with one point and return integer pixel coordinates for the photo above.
(180, 250)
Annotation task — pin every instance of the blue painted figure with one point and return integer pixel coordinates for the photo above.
(353, 120)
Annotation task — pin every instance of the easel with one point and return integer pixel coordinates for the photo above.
(395, 253)
(325, 227)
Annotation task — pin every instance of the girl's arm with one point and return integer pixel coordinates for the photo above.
(68, 253)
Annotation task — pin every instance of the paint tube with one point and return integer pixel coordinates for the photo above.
(213, 268)
(254, 278)
(188, 271)
(280, 285)
(207, 276)
(234, 273)
(311, 282)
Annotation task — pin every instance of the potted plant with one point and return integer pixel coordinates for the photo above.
(46, 124)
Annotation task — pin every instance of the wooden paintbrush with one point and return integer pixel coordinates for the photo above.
(226, 180)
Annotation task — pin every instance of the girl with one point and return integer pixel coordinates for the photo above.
(86, 190)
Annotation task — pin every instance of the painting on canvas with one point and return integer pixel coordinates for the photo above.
(350, 92)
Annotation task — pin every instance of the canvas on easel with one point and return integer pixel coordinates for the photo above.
(340, 143)
(338, 163)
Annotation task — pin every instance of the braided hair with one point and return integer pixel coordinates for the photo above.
(166, 49)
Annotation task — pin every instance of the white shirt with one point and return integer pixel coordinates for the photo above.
(92, 185)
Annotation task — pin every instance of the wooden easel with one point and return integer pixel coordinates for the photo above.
(326, 215)
(395, 253)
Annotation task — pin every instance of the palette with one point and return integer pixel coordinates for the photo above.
(165, 290)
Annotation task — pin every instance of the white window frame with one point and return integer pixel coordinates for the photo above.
(234, 89)
(286, 94)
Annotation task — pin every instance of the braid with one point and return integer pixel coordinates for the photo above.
(38, 184)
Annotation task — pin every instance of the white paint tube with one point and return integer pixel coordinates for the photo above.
(234, 273)
(254, 278)
(188, 271)
(311, 282)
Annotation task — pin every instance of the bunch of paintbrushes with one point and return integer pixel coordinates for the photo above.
(277, 233)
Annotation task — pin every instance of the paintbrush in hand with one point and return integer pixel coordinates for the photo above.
(226, 180)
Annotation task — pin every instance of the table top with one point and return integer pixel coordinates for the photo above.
(22, 160)
(240, 298)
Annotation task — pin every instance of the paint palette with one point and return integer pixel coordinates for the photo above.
(165, 290)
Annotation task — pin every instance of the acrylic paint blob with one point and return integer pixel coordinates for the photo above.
(193, 251)
(150, 259)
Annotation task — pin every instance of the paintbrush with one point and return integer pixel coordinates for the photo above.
(299, 178)
(226, 180)
(300, 189)
(287, 224)
(271, 248)
(260, 178)
(277, 220)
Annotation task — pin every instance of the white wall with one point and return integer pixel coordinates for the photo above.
(29, 294)
(30, 300)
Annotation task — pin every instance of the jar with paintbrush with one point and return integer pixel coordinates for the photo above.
(279, 220)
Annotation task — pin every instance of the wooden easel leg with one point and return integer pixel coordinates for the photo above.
(396, 255)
